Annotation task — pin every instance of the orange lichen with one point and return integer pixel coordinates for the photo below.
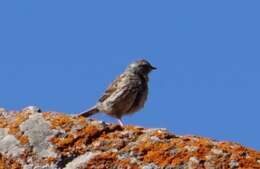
(61, 121)
(3, 123)
(47, 115)
(82, 121)
(75, 141)
(23, 139)
(155, 152)
(126, 163)
(9, 163)
(62, 142)
(13, 126)
(246, 157)
(50, 160)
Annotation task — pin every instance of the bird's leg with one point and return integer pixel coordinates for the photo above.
(120, 122)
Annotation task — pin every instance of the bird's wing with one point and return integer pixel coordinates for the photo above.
(123, 98)
(122, 92)
(112, 87)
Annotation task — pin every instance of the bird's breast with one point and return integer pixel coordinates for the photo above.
(141, 96)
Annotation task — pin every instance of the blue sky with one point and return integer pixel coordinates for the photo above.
(61, 55)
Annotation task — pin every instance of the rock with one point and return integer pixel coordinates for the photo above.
(193, 162)
(233, 164)
(32, 140)
(38, 131)
(217, 151)
(32, 109)
(2, 110)
(150, 166)
(9, 145)
(80, 160)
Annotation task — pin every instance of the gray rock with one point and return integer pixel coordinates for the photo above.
(155, 139)
(38, 131)
(191, 148)
(3, 133)
(233, 164)
(150, 166)
(193, 162)
(45, 167)
(123, 156)
(2, 110)
(9, 144)
(32, 108)
(217, 151)
(81, 160)
(28, 166)
(174, 151)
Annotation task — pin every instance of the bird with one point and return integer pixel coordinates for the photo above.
(127, 94)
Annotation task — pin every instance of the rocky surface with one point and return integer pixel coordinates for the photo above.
(31, 139)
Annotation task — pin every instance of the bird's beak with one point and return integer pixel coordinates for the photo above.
(153, 68)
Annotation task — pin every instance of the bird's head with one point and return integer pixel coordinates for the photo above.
(141, 67)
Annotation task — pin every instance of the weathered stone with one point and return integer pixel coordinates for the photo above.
(32, 109)
(38, 131)
(9, 145)
(81, 160)
(233, 164)
(32, 140)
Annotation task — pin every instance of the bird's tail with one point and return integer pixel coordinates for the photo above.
(89, 112)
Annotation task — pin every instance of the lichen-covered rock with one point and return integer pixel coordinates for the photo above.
(37, 130)
(33, 139)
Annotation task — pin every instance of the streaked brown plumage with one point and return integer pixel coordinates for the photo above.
(127, 94)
